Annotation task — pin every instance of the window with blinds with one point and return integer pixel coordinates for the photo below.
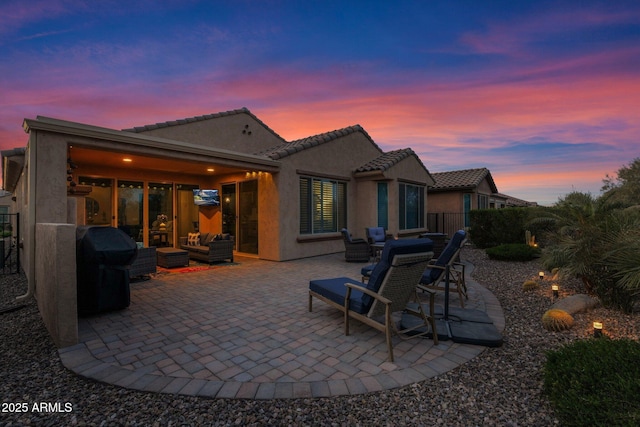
(323, 205)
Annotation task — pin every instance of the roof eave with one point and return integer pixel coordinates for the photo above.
(144, 141)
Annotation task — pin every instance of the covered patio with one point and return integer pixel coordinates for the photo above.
(243, 330)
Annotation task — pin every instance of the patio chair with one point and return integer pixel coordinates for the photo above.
(435, 275)
(355, 250)
(376, 236)
(392, 285)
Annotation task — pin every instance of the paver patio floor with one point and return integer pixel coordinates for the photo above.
(244, 331)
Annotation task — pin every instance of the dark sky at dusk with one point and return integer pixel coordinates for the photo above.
(546, 94)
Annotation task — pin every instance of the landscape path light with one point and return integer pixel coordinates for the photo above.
(597, 329)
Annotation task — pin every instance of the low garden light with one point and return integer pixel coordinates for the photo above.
(597, 329)
(555, 289)
(541, 275)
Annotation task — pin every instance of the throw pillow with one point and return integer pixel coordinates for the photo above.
(209, 239)
(203, 238)
(193, 239)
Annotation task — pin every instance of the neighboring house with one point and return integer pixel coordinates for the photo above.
(510, 201)
(456, 193)
(461, 191)
(281, 200)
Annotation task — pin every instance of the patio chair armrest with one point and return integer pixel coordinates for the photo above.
(431, 292)
(368, 292)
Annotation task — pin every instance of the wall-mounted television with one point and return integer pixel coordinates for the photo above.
(206, 197)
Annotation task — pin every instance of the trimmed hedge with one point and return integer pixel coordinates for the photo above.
(513, 252)
(492, 227)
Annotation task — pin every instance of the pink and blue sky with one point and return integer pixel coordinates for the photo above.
(545, 94)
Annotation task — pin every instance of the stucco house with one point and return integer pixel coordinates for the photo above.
(280, 199)
(456, 193)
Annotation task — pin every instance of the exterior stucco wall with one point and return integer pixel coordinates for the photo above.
(367, 207)
(236, 132)
(41, 193)
(334, 159)
(446, 202)
(269, 212)
(51, 178)
(484, 187)
(56, 292)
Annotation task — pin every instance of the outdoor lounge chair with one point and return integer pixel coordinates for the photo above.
(355, 250)
(446, 266)
(376, 236)
(392, 285)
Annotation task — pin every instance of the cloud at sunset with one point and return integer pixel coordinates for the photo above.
(546, 97)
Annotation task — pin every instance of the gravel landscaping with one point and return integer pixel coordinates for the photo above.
(502, 386)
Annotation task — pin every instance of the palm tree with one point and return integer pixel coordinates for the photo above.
(597, 242)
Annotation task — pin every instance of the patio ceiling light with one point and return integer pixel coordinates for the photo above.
(127, 160)
(210, 169)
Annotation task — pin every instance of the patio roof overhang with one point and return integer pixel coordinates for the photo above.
(148, 152)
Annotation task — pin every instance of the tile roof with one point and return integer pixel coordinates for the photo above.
(288, 148)
(513, 201)
(243, 110)
(381, 163)
(462, 179)
(387, 160)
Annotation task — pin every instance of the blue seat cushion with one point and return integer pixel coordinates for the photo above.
(392, 248)
(377, 234)
(445, 257)
(335, 290)
(427, 276)
(367, 269)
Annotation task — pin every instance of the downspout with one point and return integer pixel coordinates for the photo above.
(31, 219)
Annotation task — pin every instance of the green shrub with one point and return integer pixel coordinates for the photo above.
(513, 252)
(595, 382)
(492, 227)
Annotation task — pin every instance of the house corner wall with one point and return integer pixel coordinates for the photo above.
(56, 291)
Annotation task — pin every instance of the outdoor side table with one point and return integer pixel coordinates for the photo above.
(172, 257)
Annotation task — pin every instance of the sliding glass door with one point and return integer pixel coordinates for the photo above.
(248, 214)
(187, 220)
(131, 208)
(240, 214)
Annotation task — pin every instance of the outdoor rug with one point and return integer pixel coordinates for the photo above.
(193, 267)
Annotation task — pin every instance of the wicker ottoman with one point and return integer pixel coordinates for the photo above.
(145, 262)
(171, 257)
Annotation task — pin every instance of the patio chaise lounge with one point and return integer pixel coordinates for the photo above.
(435, 276)
(392, 284)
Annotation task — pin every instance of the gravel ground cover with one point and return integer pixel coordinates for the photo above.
(502, 386)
